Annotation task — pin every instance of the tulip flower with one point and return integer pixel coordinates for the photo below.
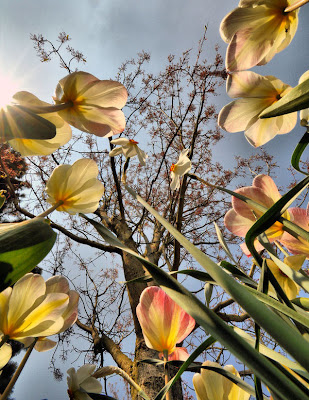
(210, 385)
(91, 105)
(5, 354)
(58, 284)
(32, 147)
(304, 114)
(290, 288)
(255, 93)
(75, 188)
(179, 169)
(28, 310)
(241, 217)
(164, 323)
(129, 148)
(298, 245)
(81, 382)
(256, 30)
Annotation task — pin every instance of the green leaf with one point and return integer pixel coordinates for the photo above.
(238, 273)
(273, 354)
(199, 350)
(297, 99)
(300, 148)
(214, 324)
(224, 244)
(22, 246)
(303, 319)
(302, 302)
(273, 214)
(17, 122)
(301, 279)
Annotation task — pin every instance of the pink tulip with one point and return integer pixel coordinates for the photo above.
(164, 323)
(297, 245)
(241, 217)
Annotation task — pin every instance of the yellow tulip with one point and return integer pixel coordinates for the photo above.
(75, 187)
(290, 288)
(32, 147)
(28, 310)
(209, 385)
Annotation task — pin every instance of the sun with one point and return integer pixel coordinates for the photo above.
(8, 87)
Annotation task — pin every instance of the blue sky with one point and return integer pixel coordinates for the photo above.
(109, 32)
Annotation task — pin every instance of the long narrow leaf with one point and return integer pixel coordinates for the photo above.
(300, 148)
(218, 328)
(274, 355)
(224, 244)
(294, 343)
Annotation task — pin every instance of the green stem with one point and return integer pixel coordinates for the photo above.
(18, 371)
(105, 371)
(295, 6)
(51, 209)
(165, 357)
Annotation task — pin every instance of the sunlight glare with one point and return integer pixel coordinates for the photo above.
(8, 88)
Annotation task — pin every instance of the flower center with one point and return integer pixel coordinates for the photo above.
(282, 273)
(173, 166)
(133, 141)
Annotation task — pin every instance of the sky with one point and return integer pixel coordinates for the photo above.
(109, 32)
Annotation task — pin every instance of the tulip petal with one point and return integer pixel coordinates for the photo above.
(240, 114)
(99, 121)
(105, 94)
(44, 344)
(84, 372)
(5, 354)
(91, 385)
(20, 302)
(297, 246)
(163, 322)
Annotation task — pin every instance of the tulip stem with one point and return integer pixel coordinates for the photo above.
(281, 248)
(18, 371)
(295, 6)
(4, 339)
(51, 209)
(105, 371)
(165, 358)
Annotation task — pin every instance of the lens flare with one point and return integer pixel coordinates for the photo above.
(8, 88)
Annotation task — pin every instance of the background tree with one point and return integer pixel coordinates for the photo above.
(166, 112)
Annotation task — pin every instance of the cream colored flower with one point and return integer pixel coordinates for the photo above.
(256, 93)
(179, 169)
(76, 186)
(28, 310)
(5, 354)
(32, 147)
(256, 30)
(209, 385)
(58, 284)
(290, 288)
(304, 114)
(90, 104)
(81, 382)
(129, 148)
